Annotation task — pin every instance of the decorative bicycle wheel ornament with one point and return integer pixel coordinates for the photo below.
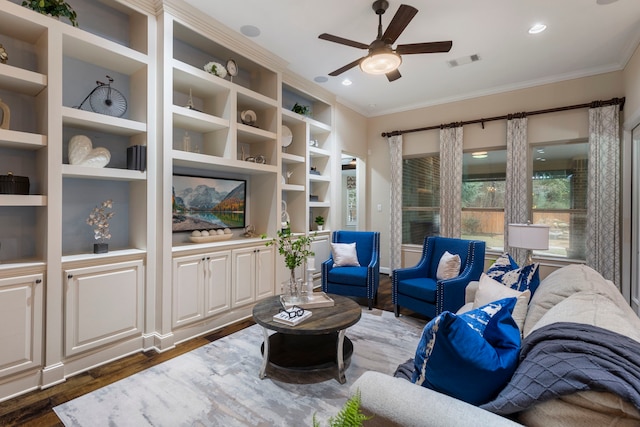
(104, 99)
(109, 101)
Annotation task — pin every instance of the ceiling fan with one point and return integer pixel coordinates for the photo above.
(382, 58)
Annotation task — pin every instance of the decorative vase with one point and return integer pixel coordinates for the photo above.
(320, 227)
(100, 248)
(5, 118)
(291, 289)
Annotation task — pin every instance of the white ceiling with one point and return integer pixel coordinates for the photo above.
(583, 37)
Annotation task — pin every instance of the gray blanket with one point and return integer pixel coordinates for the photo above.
(564, 358)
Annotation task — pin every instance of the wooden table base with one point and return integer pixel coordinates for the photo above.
(318, 342)
(308, 352)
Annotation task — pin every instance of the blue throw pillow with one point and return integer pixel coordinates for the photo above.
(506, 271)
(471, 356)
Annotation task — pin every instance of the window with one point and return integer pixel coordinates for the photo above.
(420, 198)
(483, 193)
(559, 198)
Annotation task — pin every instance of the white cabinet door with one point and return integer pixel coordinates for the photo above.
(21, 320)
(103, 304)
(217, 289)
(253, 274)
(265, 272)
(188, 283)
(244, 276)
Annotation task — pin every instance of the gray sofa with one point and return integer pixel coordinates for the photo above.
(576, 294)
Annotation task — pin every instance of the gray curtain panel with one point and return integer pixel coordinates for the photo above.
(395, 207)
(603, 203)
(450, 181)
(516, 203)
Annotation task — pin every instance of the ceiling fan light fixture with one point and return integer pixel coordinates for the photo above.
(380, 62)
(537, 29)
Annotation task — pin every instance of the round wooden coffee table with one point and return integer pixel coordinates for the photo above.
(318, 342)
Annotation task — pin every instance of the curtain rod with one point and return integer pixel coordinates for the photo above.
(593, 104)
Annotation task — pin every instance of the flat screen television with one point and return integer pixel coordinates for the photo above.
(204, 203)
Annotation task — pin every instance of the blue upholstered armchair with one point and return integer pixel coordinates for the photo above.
(417, 288)
(355, 281)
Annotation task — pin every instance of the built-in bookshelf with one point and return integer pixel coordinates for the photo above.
(51, 67)
(153, 288)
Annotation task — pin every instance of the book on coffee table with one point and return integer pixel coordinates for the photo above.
(283, 317)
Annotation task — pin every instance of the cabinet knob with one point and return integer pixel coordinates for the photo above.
(208, 258)
(70, 276)
(38, 281)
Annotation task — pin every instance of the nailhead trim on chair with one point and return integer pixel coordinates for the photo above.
(371, 291)
(470, 260)
(394, 279)
(441, 289)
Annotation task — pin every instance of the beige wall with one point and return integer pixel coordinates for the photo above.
(351, 138)
(544, 128)
(631, 80)
(631, 119)
(351, 132)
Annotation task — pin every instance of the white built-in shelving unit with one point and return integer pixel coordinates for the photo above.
(82, 308)
(154, 288)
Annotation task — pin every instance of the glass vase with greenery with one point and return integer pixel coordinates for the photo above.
(294, 249)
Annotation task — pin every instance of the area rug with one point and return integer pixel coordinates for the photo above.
(218, 384)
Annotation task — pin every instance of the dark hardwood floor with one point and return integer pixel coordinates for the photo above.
(36, 408)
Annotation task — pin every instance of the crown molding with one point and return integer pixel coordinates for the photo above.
(146, 6)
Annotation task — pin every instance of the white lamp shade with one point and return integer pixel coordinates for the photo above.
(529, 236)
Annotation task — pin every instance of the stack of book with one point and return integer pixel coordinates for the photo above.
(283, 317)
(137, 157)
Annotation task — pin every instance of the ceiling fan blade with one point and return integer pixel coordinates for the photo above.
(345, 68)
(393, 75)
(432, 47)
(400, 20)
(340, 40)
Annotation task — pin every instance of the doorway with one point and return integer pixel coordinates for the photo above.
(352, 193)
(635, 219)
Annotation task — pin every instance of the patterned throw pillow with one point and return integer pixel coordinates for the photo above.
(470, 356)
(491, 290)
(506, 271)
(448, 267)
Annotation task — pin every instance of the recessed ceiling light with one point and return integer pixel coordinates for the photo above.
(346, 82)
(537, 28)
(479, 155)
(321, 79)
(250, 31)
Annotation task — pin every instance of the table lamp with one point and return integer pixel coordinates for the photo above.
(529, 236)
